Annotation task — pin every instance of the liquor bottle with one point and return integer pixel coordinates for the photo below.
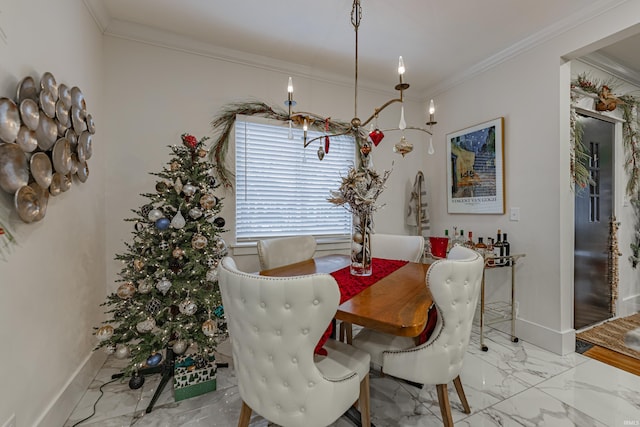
(449, 243)
(507, 248)
(481, 247)
(490, 262)
(459, 239)
(470, 243)
(498, 249)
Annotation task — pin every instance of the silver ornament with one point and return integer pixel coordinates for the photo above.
(180, 347)
(144, 287)
(163, 245)
(209, 328)
(163, 285)
(208, 201)
(189, 190)
(178, 185)
(188, 307)
(146, 325)
(110, 349)
(126, 290)
(178, 221)
(195, 213)
(122, 351)
(221, 244)
(153, 306)
(155, 215)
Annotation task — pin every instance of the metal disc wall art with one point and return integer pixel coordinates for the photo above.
(45, 141)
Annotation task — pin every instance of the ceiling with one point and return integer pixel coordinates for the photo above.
(441, 41)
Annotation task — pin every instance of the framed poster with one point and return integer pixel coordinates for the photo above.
(475, 169)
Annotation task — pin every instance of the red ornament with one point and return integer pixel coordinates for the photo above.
(326, 138)
(376, 136)
(189, 140)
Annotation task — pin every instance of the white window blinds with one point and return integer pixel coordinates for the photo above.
(282, 188)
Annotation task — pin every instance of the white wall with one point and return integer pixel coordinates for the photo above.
(156, 94)
(53, 281)
(531, 91)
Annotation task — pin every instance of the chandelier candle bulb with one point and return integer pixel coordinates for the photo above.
(401, 68)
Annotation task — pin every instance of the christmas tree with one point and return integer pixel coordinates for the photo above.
(169, 296)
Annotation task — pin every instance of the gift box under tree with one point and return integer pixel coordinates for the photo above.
(194, 375)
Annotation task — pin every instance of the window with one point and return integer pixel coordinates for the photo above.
(282, 188)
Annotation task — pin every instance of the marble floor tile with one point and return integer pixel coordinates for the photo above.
(512, 384)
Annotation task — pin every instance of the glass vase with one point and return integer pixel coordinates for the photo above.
(361, 245)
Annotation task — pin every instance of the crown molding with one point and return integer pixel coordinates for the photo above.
(548, 33)
(99, 13)
(611, 66)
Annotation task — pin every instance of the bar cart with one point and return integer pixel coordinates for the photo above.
(501, 311)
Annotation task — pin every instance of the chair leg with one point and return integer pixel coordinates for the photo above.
(245, 415)
(445, 408)
(346, 332)
(461, 395)
(364, 402)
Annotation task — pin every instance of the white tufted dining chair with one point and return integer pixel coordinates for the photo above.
(274, 325)
(397, 246)
(389, 246)
(455, 286)
(281, 251)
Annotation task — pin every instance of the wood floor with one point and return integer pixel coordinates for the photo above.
(613, 358)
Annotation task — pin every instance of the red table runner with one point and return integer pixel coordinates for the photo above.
(351, 285)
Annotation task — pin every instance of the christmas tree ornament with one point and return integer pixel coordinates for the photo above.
(320, 153)
(154, 215)
(211, 262)
(139, 226)
(154, 359)
(110, 349)
(202, 153)
(163, 245)
(175, 166)
(376, 136)
(177, 185)
(162, 224)
(146, 325)
(144, 287)
(163, 285)
(144, 210)
(178, 253)
(153, 306)
(219, 222)
(136, 381)
(175, 265)
(126, 290)
(189, 190)
(188, 307)
(221, 245)
(195, 213)
(208, 201)
(199, 241)
(122, 351)
(161, 186)
(178, 221)
(179, 347)
(209, 328)
(138, 264)
(104, 332)
(189, 141)
(212, 275)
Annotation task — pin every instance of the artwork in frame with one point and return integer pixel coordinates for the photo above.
(475, 169)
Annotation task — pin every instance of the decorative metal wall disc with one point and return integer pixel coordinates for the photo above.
(64, 95)
(48, 104)
(27, 204)
(9, 120)
(48, 84)
(30, 113)
(41, 169)
(27, 139)
(43, 200)
(83, 171)
(61, 156)
(47, 132)
(84, 140)
(27, 89)
(14, 172)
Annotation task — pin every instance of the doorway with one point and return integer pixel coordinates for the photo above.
(593, 211)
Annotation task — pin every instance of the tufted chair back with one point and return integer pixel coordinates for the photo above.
(281, 251)
(455, 286)
(397, 246)
(274, 324)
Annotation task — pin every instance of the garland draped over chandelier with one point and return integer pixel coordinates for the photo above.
(356, 127)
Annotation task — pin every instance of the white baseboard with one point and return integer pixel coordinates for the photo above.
(559, 342)
(58, 411)
(629, 305)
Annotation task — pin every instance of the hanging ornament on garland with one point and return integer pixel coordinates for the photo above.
(178, 221)
(110, 349)
(136, 381)
(219, 222)
(199, 241)
(163, 245)
(161, 187)
(153, 306)
(212, 275)
(175, 166)
(144, 211)
(154, 359)
(208, 201)
(126, 290)
(122, 351)
(104, 332)
(178, 253)
(178, 185)
(188, 307)
(209, 328)
(189, 190)
(195, 213)
(162, 224)
(144, 287)
(154, 215)
(138, 264)
(139, 226)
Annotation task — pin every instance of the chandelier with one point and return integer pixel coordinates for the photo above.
(356, 126)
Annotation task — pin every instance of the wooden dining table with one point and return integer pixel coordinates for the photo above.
(396, 304)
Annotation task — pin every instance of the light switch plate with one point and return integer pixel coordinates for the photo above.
(514, 214)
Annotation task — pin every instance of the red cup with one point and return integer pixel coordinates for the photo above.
(439, 246)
